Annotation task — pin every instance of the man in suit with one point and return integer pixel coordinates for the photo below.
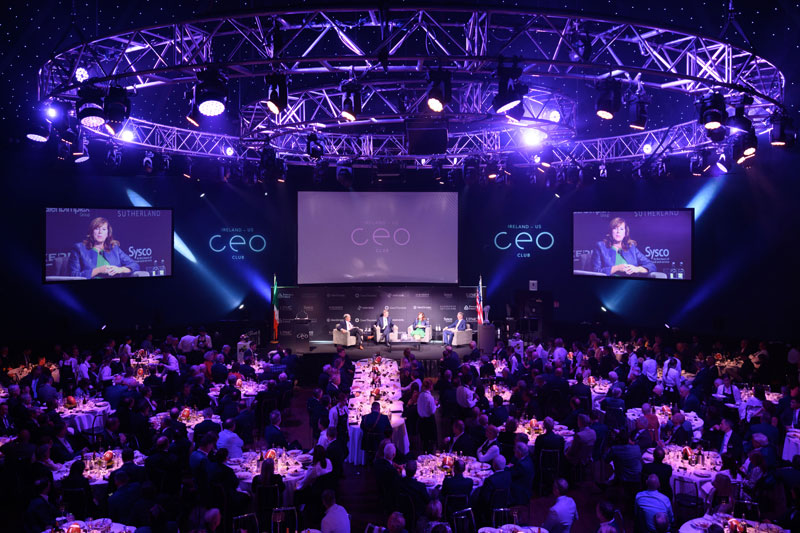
(499, 413)
(460, 442)
(521, 475)
(161, 464)
(614, 401)
(727, 440)
(764, 427)
(564, 513)
(681, 430)
(385, 326)
(449, 332)
(46, 390)
(7, 427)
(582, 447)
(790, 418)
(457, 484)
(121, 504)
(661, 470)
(689, 399)
(346, 326)
(40, 514)
(336, 451)
(643, 437)
(580, 389)
(639, 391)
(548, 441)
(500, 479)
(64, 449)
(273, 435)
(387, 476)
(206, 425)
(413, 488)
(135, 472)
(219, 372)
(374, 425)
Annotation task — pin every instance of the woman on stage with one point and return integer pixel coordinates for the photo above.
(99, 255)
(617, 254)
(419, 326)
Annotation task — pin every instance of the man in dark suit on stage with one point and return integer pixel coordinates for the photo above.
(385, 326)
(346, 326)
(449, 332)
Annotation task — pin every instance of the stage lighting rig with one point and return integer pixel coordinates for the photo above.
(89, 107)
(610, 99)
(113, 155)
(781, 132)
(711, 110)
(83, 155)
(580, 46)
(277, 89)
(344, 173)
(147, 162)
(638, 111)
(210, 92)
(471, 167)
(39, 131)
(492, 169)
(320, 171)
(441, 90)
(351, 100)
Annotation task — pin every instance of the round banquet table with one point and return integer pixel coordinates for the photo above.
(747, 394)
(97, 524)
(356, 456)
(249, 390)
(82, 416)
(498, 389)
(194, 419)
(698, 525)
(599, 390)
(432, 469)
(98, 473)
(699, 475)
(499, 366)
(791, 446)
(21, 371)
(291, 465)
(664, 416)
(534, 428)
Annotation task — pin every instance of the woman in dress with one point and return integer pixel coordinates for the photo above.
(419, 326)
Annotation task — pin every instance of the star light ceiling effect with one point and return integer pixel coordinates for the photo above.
(166, 103)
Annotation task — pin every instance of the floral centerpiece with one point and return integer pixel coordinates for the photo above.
(686, 452)
(70, 402)
(108, 458)
(186, 413)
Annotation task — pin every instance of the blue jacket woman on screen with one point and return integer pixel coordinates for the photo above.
(99, 255)
(617, 254)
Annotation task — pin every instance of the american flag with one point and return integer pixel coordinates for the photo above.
(479, 300)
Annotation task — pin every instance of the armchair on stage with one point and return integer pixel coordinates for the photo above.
(462, 337)
(394, 336)
(343, 338)
(428, 334)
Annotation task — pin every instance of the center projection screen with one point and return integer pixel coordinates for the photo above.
(377, 237)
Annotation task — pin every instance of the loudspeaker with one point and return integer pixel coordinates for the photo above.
(426, 137)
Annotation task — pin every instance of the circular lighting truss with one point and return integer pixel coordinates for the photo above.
(378, 50)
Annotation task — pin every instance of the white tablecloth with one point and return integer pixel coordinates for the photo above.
(431, 474)
(21, 371)
(510, 528)
(700, 475)
(791, 446)
(82, 416)
(97, 474)
(635, 413)
(194, 419)
(249, 390)
(356, 456)
(288, 466)
(96, 523)
(705, 521)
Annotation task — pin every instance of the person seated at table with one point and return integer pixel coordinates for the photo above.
(135, 472)
(448, 333)
(460, 442)
(498, 414)
(649, 503)
(419, 326)
(726, 439)
(575, 409)
(627, 459)
(643, 436)
(613, 401)
(206, 425)
(320, 465)
(77, 492)
(40, 513)
(564, 513)
(790, 418)
(606, 515)
(385, 327)
(273, 436)
(65, 447)
(582, 447)
(490, 447)
(658, 397)
(121, 504)
(720, 495)
(730, 393)
(267, 477)
(639, 390)
(456, 484)
(550, 440)
(218, 370)
(522, 474)
(221, 474)
(689, 400)
(652, 419)
(413, 488)
(678, 430)
(660, 469)
(499, 480)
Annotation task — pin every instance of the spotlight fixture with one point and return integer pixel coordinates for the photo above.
(344, 173)
(610, 99)
(510, 91)
(738, 122)
(81, 74)
(580, 48)
(696, 165)
(319, 172)
(437, 167)
(638, 110)
(39, 131)
(711, 110)
(744, 146)
(117, 105)
(278, 93)
(280, 171)
(267, 160)
(127, 135)
(51, 113)
(721, 164)
(147, 161)
(492, 169)
(717, 135)
(554, 116)
(781, 133)
(90, 107)
(440, 91)
(193, 117)
(314, 147)
(113, 155)
(229, 151)
(516, 113)
(210, 92)
(351, 101)
(533, 136)
(83, 155)
(471, 169)
(647, 148)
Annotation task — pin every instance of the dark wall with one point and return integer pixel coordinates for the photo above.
(745, 253)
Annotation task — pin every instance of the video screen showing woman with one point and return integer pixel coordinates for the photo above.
(99, 255)
(617, 254)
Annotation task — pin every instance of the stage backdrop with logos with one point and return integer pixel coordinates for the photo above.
(325, 306)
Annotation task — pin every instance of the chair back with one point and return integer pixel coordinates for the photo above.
(406, 505)
(246, 523)
(620, 522)
(549, 462)
(463, 521)
(615, 417)
(503, 516)
(683, 486)
(499, 498)
(454, 503)
(372, 528)
(76, 501)
(283, 519)
(747, 509)
(267, 498)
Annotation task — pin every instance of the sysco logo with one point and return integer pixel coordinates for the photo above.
(656, 253)
(380, 236)
(139, 253)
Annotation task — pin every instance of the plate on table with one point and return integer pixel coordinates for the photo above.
(244, 474)
(235, 461)
(485, 466)
(304, 458)
(703, 474)
(561, 427)
(700, 524)
(100, 523)
(101, 404)
(294, 453)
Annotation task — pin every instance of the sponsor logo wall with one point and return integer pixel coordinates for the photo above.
(324, 307)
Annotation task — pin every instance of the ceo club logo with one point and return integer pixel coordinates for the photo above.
(237, 243)
(380, 236)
